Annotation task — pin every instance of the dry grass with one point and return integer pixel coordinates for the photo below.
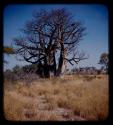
(71, 98)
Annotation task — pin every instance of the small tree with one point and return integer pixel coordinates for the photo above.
(16, 69)
(104, 61)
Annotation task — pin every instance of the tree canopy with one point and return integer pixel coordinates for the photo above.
(50, 40)
(104, 60)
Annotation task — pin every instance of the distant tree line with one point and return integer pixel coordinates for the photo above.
(88, 71)
(32, 71)
(21, 73)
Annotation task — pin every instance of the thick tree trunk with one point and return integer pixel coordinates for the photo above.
(43, 70)
(46, 69)
(60, 65)
(61, 61)
(40, 70)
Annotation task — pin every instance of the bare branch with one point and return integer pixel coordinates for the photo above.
(75, 59)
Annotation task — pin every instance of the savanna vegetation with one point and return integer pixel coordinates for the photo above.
(71, 98)
(46, 89)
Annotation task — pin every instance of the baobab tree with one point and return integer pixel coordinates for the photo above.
(50, 39)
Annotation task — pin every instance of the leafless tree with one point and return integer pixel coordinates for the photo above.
(49, 40)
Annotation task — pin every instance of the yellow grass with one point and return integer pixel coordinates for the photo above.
(71, 98)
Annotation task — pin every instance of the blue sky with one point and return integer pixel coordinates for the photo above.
(93, 16)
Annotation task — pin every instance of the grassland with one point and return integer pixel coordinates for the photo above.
(74, 98)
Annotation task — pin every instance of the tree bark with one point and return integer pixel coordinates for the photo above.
(46, 69)
(61, 60)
